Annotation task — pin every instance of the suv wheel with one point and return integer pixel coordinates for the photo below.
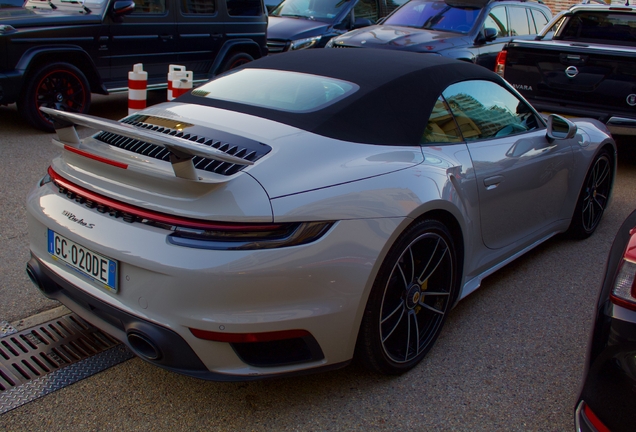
(61, 86)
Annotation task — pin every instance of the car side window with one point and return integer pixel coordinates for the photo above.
(497, 19)
(244, 7)
(533, 27)
(540, 19)
(484, 109)
(441, 126)
(202, 7)
(518, 21)
(366, 9)
(145, 7)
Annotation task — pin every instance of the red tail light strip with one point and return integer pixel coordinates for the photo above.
(95, 157)
(249, 337)
(156, 216)
(596, 422)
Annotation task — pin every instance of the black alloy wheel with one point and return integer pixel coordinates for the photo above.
(593, 198)
(60, 86)
(410, 300)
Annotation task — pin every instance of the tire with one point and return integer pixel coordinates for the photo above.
(61, 86)
(236, 60)
(410, 299)
(593, 198)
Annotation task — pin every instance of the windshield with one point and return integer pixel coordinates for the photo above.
(278, 90)
(434, 15)
(322, 10)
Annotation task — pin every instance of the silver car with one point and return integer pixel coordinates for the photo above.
(307, 208)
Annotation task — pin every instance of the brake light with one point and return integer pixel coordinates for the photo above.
(624, 291)
(95, 157)
(500, 65)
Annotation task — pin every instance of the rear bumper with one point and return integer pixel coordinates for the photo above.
(609, 390)
(151, 342)
(622, 126)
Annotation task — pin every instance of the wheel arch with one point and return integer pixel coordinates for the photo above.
(247, 46)
(435, 215)
(76, 56)
(451, 222)
(439, 213)
(591, 154)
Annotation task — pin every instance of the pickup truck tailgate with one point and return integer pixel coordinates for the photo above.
(571, 72)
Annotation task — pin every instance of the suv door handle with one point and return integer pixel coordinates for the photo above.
(165, 37)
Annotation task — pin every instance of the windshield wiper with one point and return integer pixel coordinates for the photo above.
(299, 16)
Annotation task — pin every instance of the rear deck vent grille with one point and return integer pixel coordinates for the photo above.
(154, 151)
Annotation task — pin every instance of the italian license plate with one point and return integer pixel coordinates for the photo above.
(93, 265)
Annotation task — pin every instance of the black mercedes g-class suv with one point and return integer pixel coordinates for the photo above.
(55, 53)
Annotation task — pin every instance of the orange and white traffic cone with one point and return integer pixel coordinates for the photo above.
(137, 88)
(182, 84)
(175, 72)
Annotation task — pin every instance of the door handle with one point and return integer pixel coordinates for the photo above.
(165, 37)
(493, 182)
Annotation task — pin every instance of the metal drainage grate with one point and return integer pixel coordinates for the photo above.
(51, 356)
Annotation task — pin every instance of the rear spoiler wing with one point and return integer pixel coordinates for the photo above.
(182, 150)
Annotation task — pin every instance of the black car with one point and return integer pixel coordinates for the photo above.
(471, 30)
(56, 53)
(608, 398)
(301, 24)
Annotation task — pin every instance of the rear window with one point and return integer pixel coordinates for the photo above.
(617, 28)
(279, 90)
(434, 15)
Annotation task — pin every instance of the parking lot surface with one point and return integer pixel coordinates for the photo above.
(509, 358)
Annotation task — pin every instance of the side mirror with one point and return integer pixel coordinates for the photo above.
(361, 22)
(123, 7)
(560, 128)
(490, 34)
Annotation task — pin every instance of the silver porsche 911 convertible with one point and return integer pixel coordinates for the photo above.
(307, 208)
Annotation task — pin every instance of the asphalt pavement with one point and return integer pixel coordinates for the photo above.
(510, 357)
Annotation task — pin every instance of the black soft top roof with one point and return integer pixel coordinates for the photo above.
(397, 92)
